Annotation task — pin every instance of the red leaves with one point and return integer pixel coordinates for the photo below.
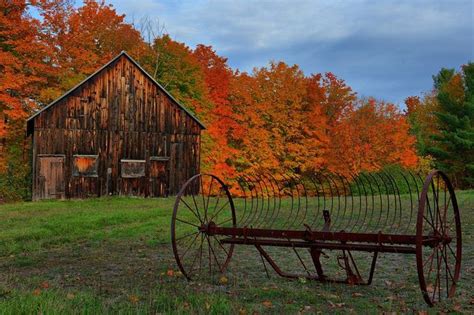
(369, 137)
(276, 118)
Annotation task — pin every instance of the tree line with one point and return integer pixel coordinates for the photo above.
(274, 118)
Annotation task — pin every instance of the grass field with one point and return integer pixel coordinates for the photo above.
(113, 255)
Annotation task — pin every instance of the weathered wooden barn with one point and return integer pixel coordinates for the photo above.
(118, 132)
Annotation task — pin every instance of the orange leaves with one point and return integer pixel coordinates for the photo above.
(274, 119)
(43, 286)
(220, 116)
(369, 137)
(286, 116)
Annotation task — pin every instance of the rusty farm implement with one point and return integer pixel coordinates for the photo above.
(374, 213)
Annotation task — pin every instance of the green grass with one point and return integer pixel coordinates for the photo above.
(112, 255)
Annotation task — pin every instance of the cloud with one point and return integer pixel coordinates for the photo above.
(388, 49)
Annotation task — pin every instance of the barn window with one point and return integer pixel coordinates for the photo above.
(158, 166)
(85, 165)
(133, 168)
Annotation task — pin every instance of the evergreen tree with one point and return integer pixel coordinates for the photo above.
(453, 147)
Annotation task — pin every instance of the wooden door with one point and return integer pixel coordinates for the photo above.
(176, 170)
(51, 177)
(159, 178)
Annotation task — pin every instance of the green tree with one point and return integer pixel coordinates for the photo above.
(175, 67)
(453, 147)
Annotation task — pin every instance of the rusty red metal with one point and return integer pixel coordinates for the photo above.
(364, 213)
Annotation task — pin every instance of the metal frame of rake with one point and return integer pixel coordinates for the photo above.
(322, 212)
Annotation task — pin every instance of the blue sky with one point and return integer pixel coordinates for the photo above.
(387, 49)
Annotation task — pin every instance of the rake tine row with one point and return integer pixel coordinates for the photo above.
(366, 202)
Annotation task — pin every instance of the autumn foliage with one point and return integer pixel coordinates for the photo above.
(275, 118)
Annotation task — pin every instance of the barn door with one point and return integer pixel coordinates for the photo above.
(176, 175)
(159, 179)
(51, 177)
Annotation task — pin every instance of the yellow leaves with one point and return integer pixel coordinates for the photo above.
(70, 296)
(267, 303)
(242, 311)
(134, 299)
(223, 280)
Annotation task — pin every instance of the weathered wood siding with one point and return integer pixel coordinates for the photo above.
(119, 114)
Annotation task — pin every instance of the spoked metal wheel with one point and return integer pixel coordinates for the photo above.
(203, 201)
(438, 239)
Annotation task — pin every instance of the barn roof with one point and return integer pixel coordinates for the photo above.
(123, 53)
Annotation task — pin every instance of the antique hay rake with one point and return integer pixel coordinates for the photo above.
(371, 212)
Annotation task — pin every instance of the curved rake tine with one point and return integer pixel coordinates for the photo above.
(295, 183)
(394, 194)
(335, 217)
(331, 194)
(399, 203)
(275, 196)
(253, 201)
(286, 224)
(258, 203)
(359, 191)
(305, 202)
(386, 191)
(407, 227)
(369, 223)
(341, 221)
(376, 227)
(360, 225)
(298, 181)
(243, 184)
(316, 216)
(242, 217)
(294, 187)
(349, 221)
(267, 197)
(326, 194)
(257, 221)
(413, 177)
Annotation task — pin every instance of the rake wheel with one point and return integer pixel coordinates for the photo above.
(204, 201)
(438, 262)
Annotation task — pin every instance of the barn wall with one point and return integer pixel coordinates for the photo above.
(119, 114)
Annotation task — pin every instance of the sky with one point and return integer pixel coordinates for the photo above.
(387, 49)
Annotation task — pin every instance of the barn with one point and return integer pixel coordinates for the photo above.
(118, 132)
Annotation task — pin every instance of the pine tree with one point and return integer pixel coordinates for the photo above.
(454, 147)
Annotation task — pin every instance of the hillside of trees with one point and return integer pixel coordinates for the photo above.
(275, 118)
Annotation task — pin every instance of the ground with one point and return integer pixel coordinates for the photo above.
(113, 255)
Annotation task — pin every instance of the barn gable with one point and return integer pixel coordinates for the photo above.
(111, 63)
(117, 132)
